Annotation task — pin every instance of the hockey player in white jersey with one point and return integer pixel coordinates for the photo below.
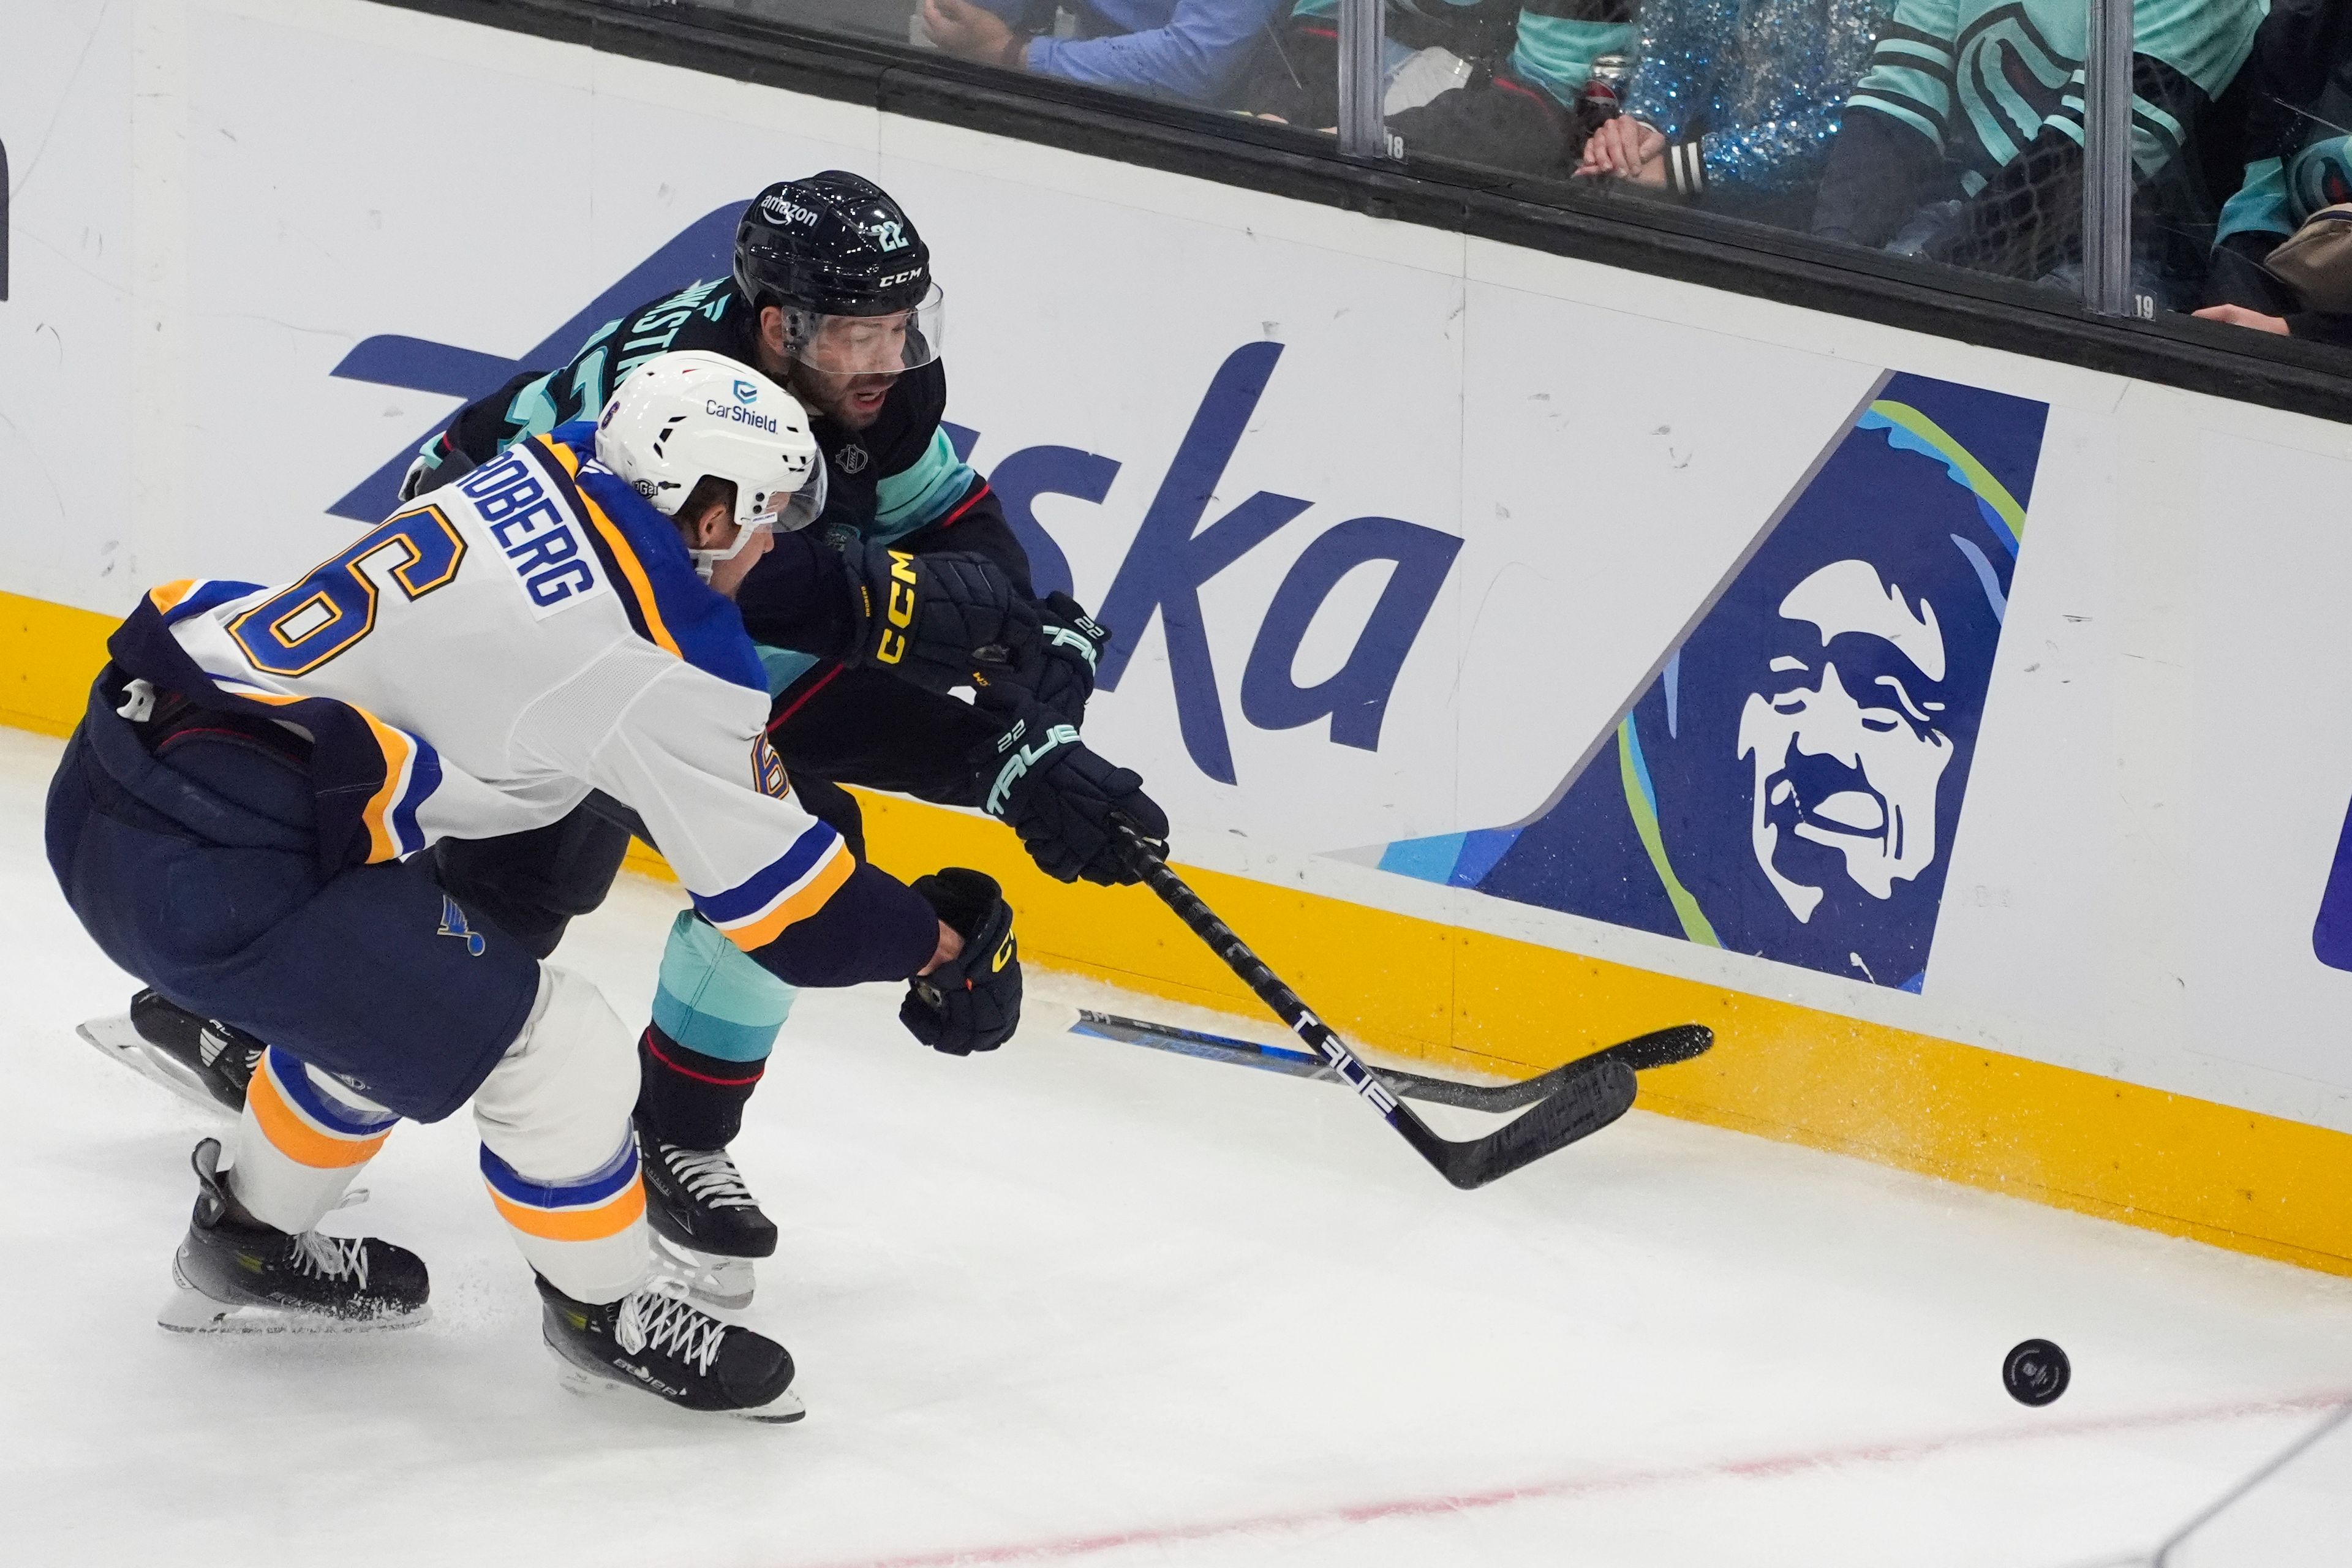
(237, 818)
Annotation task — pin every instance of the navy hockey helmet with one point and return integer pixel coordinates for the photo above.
(834, 247)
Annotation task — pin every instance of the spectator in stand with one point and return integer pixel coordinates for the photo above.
(1992, 178)
(1192, 51)
(1525, 117)
(2299, 160)
(1735, 102)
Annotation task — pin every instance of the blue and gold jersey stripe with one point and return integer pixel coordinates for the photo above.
(623, 567)
(787, 890)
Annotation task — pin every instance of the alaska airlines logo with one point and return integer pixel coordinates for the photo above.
(1176, 552)
(1789, 782)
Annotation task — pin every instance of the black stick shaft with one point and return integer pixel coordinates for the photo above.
(1586, 1100)
(1286, 1003)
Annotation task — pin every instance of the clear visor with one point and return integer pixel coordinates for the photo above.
(789, 511)
(887, 344)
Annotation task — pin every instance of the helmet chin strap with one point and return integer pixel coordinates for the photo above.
(706, 561)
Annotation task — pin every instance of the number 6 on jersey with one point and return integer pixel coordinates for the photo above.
(333, 608)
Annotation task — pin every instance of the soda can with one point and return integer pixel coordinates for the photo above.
(1603, 95)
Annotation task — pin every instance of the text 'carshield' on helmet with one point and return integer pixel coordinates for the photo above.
(847, 267)
(689, 415)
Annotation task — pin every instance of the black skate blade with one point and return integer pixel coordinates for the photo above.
(119, 1040)
(781, 1410)
(188, 1311)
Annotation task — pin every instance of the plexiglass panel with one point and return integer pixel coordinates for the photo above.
(1950, 130)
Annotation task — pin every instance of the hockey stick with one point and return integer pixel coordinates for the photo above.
(1587, 1097)
(1660, 1047)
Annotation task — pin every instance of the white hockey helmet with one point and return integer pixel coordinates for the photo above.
(691, 415)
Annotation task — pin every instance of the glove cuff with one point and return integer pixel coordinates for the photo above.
(1034, 736)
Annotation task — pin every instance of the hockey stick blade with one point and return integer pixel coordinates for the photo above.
(1660, 1047)
(1587, 1098)
(1588, 1101)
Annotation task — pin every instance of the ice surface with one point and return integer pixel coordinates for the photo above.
(1079, 1301)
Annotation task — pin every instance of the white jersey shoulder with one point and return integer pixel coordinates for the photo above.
(520, 638)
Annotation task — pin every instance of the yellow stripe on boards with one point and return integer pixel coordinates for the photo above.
(1463, 999)
(48, 656)
(1437, 994)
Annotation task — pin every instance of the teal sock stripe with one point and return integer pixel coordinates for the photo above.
(713, 998)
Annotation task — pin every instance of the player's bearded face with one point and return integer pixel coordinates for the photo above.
(849, 364)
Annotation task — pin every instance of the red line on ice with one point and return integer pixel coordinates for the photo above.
(1761, 1466)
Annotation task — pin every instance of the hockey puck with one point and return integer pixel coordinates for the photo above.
(2036, 1372)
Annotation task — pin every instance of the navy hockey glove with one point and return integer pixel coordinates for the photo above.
(1062, 798)
(973, 1002)
(1057, 670)
(934, 618)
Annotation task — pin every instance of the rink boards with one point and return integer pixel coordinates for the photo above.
(1531, 653)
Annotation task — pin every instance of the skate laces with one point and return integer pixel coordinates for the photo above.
(333, 1257)
(711, 1177)
(667, 1323)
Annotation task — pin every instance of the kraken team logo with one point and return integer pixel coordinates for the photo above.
(2009, 80)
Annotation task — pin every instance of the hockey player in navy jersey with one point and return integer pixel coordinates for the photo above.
(831, 294)
(238, 821)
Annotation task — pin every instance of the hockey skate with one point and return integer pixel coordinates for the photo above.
(665, 1345)
(707, 1226)
(198, 1058)
(233, 1276)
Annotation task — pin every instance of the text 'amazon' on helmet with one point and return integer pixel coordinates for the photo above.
(845, 263)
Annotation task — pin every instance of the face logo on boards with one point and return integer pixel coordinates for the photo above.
(1790, 782)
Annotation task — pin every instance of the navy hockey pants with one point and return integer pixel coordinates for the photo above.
(198, 871)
